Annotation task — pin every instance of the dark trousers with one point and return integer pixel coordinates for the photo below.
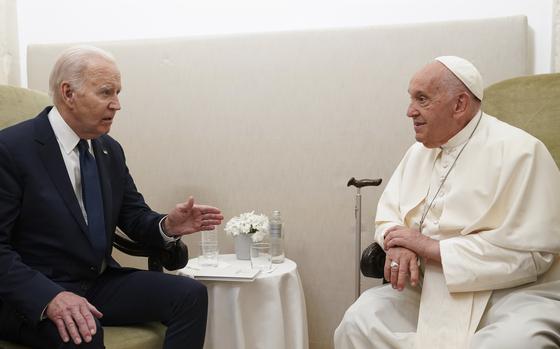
(128, 296)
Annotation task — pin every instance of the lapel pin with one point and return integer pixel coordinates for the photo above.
(105, 152)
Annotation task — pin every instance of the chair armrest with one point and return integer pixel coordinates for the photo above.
(175, 256)
(172, 257)
(372, 262)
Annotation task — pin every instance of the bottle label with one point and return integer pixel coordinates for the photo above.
(276, 229)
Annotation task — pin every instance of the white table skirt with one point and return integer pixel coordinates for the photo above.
(268, 313)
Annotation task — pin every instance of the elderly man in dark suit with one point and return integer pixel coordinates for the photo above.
(64, 188)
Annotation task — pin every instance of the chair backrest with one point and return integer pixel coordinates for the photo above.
(17, 104)
(531, 103)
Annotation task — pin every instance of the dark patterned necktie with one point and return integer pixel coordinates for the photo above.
(93, 201)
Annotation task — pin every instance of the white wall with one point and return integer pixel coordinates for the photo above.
(556, 37)
(9, 60)
(55, 21)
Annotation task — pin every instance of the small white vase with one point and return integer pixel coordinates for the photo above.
(243, 246)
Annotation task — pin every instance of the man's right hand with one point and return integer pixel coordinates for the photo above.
(406, 270)
(73, 317)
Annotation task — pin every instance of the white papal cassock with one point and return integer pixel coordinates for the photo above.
(497, 217)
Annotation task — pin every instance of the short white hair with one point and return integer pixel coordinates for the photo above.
(70, 67)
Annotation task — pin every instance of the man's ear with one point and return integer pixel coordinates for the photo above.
(67, 93)
(461, 104)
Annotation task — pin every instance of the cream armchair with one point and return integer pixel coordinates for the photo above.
(17, 104)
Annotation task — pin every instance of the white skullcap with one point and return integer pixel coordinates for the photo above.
(466, 72)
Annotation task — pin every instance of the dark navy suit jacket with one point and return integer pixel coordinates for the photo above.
(44, 246)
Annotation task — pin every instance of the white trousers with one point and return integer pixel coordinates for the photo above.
(381, 318)
(384, 318)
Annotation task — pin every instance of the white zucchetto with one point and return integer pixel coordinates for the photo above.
(466, 72)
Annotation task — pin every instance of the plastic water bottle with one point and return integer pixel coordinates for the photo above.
(276, 238)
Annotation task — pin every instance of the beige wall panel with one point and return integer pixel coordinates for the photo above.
(282, 121)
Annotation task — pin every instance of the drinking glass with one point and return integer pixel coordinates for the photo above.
(260, 256)
(208, 254)
(209, 236)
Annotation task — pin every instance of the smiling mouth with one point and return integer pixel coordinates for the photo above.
(418, 126)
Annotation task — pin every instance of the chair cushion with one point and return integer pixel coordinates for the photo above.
(144, 336)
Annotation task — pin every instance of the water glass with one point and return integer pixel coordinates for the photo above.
(209, 236)
(208, 254)
(260, 256)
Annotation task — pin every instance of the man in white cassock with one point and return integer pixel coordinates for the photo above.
(470, 224)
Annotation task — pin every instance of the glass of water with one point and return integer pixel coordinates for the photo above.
(208, 254)
(260, 256)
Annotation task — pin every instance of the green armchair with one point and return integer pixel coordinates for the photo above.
(17, 104)
(531, 103)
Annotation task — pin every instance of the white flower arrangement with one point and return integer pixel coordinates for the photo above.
(250, 223)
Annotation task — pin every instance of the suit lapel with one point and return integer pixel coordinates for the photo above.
(49, 152)
(102, 158)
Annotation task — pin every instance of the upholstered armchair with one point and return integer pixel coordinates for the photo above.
(531, 103)
(17, 104)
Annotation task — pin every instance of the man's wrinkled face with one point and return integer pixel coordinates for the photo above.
(96, 102)
(431, 109)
